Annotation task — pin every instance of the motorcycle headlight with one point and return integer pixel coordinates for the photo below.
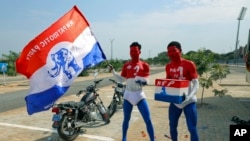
(69, 110)
(119, 89)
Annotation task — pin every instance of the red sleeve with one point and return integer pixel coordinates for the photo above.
(146, 69)
(192, 71)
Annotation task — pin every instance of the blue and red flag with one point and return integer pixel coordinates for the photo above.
(53, 59)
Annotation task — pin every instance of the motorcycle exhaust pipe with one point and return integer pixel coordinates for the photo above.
(79, 124)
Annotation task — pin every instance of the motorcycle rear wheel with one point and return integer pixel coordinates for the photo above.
(66, 132)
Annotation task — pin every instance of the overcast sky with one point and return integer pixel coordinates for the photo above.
(210, 24)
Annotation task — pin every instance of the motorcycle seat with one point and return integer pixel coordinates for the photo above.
(72, 104)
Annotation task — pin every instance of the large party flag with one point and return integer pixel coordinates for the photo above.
(53, 59)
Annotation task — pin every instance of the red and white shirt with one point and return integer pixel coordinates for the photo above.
(132, 72)
(186, 70)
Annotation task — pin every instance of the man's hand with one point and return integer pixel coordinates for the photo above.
(110, 67)
(187, 98)
(141, 82)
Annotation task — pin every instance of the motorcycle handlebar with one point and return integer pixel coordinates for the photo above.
(97, 81)
(117, 83)
(79, 92)
(113, 81)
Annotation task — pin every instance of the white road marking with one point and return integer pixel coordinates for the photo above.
(101, 138)
(244, 100)
(132, 110)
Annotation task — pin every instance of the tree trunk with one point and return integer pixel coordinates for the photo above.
(202, 95)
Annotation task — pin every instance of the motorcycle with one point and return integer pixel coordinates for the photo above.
(119, 89)
(71, 116)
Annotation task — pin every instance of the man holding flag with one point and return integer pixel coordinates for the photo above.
(56, 57)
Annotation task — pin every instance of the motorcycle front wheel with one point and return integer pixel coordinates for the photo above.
(67, 130)
(112, 108)
(120, 102)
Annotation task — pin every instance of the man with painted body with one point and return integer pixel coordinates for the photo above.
(136, 73)
(182, 69)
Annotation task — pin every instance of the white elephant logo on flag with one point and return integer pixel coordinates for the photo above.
(65, 61)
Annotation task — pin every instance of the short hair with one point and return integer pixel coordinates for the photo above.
(136, 44)
(175, 43)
